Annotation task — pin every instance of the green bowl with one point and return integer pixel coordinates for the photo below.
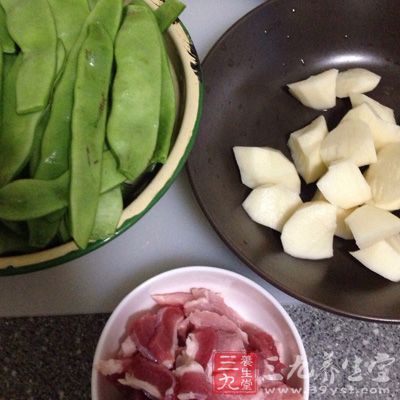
(189, 89)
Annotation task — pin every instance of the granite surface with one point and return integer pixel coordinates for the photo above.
(49, 358)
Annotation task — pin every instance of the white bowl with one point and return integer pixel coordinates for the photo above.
(251, 301)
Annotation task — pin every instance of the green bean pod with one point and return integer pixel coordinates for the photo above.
(168, 12)
(88, 130)
(108, 214)
(42, 124)
(110, 176)
(55, 147)
(69, 16)
(5, 38)
(168, 109)
(22, 199)
(18, 130)
(26, 199)
(134, 119)
(31, 25)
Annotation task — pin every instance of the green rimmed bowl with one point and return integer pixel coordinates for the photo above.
(189, 88)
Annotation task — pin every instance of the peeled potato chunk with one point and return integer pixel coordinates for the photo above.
(308, 233)
(317, 91)
(264, 165)
(384, 178)
(356, 80)
(370, 225)
(342, 230)
(383, 112)
(351, 139)
(382, 132)
(382, 258)
(344, 185)
(304, 146)
(271, 205)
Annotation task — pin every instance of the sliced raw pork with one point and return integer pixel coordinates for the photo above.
(164, 342)
(154, 379)
(192, 382)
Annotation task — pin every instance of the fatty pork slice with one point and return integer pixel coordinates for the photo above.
(164, 343)
(192, 382)
(208, 319)
(154, 379)
(206, 300)
(200, 345)
(172, 299)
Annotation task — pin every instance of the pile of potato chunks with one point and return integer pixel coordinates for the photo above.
(348, 203)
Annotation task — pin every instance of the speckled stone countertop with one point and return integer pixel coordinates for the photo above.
(49, 358)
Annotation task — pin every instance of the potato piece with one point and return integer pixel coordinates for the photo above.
(384, 178)
(351, 139)
(271, 205)
(382, 132)
(317, 91)
(370, 225)
(344, 185)
(356, 80)
(304, 146)
(383, 112)
(264, 165)
(342, 230)
(308, 233)
(382, 258)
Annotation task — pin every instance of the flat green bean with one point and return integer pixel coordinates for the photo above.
(55, 147)
(108, 214)
(31, 25)
(168, 12)
(110, 176)
(5, 38)
(44, 119)
(26, 199)
(69, 16)
(18, 130)
(88, 130)
(133, 123)
(168, 108)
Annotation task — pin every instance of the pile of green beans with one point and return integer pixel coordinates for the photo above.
(88, 104)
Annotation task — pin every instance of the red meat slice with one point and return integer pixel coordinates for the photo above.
(192, 382)
(264, 344)
(141, 331)
(208, 319)
(152, 378)
(164, 342)
(200, 345)
(172, 299)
